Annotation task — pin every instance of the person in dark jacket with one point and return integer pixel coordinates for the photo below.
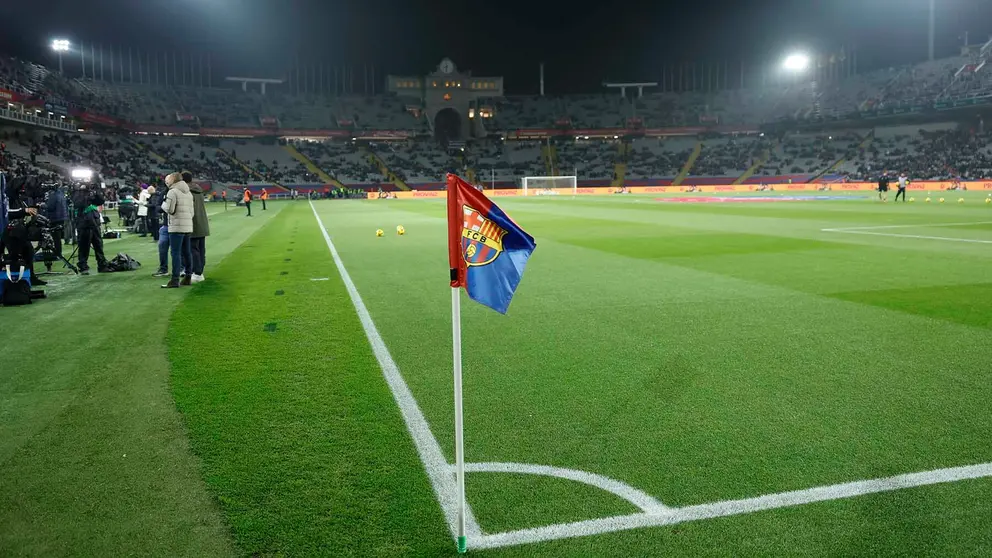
(13, 237)
(88, 227)
(57, 211)
(155, 200)
(201, 228)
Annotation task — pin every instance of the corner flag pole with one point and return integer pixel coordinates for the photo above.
(456, 337)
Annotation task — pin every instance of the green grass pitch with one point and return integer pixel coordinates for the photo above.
(697, 353)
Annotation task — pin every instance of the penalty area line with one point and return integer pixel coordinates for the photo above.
(732, 507)
(916, 236)
(428, 449)
(908, 226)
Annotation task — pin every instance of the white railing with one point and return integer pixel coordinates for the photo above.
(7, 114)
(986, 48)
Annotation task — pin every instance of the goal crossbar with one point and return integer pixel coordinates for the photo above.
(549, 185)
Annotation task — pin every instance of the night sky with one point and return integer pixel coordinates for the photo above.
(582, 44)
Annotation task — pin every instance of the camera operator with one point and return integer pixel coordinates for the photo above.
(88, 226)
(57, 211)
(14, 240)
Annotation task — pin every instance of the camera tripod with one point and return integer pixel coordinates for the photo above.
(49, 257)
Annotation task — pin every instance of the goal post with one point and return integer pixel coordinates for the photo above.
(549, 185)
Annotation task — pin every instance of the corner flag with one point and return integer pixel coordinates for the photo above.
(487, 251)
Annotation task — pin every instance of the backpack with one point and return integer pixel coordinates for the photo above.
(15, 287)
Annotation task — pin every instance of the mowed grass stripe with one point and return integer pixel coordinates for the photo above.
(94, 459)
(300, 439)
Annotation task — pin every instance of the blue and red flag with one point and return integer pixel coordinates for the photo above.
(487, 251)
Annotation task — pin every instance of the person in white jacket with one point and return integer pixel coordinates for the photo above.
(143, 198)
(178, 206)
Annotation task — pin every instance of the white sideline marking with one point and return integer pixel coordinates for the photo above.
(647, 503)
(427, 447)
(918, 236)
(731, 507)
(320, 279)
(918, 225)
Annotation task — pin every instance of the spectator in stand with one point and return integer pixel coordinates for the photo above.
(201, 229)
(179, 207)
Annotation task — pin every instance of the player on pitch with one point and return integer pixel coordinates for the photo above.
(883, 187)
(903, 183)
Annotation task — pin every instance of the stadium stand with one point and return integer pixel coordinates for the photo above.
(859, 152)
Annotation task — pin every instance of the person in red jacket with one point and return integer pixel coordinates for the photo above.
(264, 197)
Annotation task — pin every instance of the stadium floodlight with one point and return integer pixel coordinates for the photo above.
(60, 46)
(84, 175)
(797, 62)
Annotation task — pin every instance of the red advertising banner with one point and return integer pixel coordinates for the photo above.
(101, 119)
(383, 134)
(8, 95)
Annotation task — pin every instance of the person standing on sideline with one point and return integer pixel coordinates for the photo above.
(264, 197)
(201, 229)
(88, 226)
(178, 206)
(154, 213)
(143, 198)
(223, 195)
(903, 182)
(247, 200)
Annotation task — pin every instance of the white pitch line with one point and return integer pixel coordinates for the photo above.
(911, 226)
(731, 507)
(427, 447)
(648, 504)
(918, 236)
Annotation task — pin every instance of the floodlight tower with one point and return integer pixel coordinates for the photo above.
(60, 46)
(798, 64)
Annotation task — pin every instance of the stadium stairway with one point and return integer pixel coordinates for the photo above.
(550, 156)
(865, 143)
(689, 163)
(620, 165)
(146, 148)
(312, 166)
(249, 169)
(384, 170)
(754, 168)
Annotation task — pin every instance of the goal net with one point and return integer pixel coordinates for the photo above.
(549, 185)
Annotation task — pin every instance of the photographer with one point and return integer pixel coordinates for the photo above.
(88, 226)
(57, 211)
(14, 240)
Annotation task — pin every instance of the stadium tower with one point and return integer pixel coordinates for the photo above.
(454, 102)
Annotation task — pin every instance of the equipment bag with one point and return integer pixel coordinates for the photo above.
(123, 262)
(15, 287)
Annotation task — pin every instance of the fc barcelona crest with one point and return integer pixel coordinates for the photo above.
(482, 240)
